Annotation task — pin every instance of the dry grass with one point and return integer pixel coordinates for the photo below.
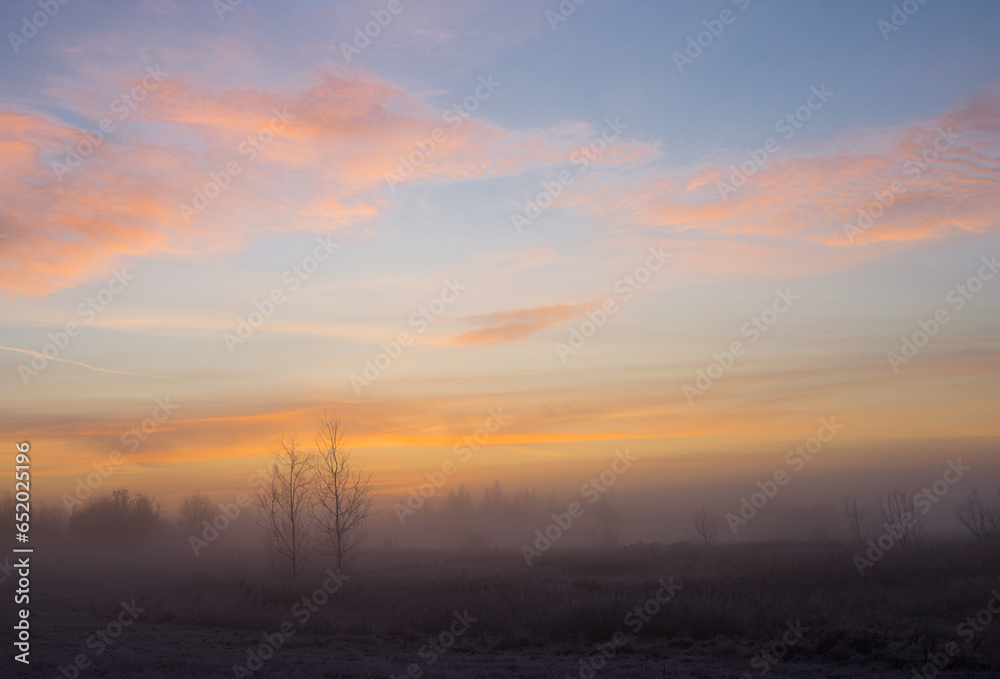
(735, 598)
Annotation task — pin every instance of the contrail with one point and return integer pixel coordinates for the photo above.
(89, 367)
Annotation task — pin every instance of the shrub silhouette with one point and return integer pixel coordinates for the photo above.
(120, 518)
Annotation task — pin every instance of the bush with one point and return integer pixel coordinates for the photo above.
(120, 519)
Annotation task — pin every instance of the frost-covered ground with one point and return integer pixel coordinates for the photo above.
(396, 614)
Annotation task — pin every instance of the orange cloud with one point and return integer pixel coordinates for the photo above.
(943, 170)
(312, 161)
(508, 326)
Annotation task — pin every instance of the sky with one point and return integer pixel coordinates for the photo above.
(542, 231)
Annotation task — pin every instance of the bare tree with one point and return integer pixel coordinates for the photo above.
(342, 499)
(283, 507)
(607, 533)
(706, 526)
(50, 522)
(898, 509)
(495, 503)
(972, 513)
(820, 531)
(855, 517)
(195, 510)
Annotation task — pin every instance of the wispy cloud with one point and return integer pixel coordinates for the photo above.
(325, 170)
(508, 326)
(84, 365)
(808, 196)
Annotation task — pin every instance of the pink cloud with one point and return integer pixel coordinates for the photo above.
(314, 160)
(808, 198)
(508, 326)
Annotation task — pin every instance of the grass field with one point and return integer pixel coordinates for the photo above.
(488, 614)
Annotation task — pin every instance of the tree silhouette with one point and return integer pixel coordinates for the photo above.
(283, 507)
(342, 495)
(706, 526)
(855, 517)
(972, 513)
(195, 510)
